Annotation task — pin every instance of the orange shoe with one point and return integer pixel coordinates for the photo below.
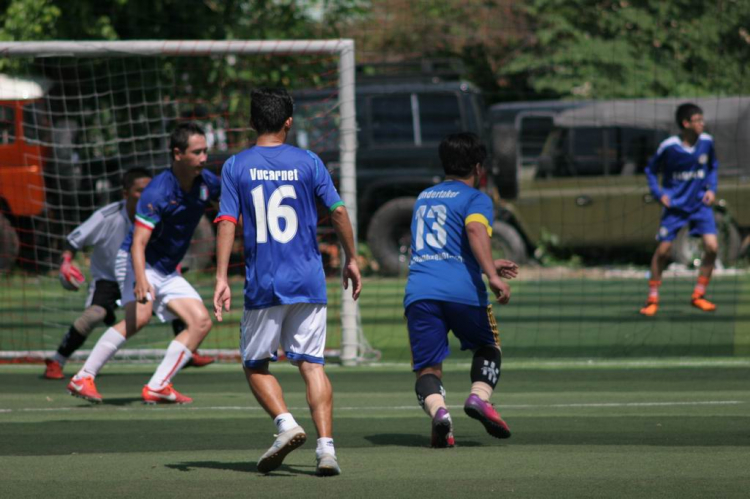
(54, 369)
(166, 395)
(652, 306)
(85, 389)
(198, 360)
(701, 303)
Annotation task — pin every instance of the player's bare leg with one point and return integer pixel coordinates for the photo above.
(82, 384)
(320, 400)
(198, 323)
(710, 250)
(658, 264)
(431, 396)
(269, 395)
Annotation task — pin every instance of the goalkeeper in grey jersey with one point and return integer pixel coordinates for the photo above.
(104, 231)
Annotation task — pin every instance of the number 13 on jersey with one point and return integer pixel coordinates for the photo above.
(435, 217)
(267, 217)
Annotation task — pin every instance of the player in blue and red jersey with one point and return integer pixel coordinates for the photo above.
(688, 167)
(450, 250)
(167, 214)
(274, 187)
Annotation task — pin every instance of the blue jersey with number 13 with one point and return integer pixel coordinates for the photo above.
(442, 265)
(275, 190)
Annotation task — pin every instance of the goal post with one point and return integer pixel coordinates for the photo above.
(352, 338)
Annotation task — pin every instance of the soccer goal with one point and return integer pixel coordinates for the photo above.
(74, 116)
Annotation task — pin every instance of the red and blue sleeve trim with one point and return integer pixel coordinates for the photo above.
(227, 218)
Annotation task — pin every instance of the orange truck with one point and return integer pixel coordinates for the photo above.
(22, 153)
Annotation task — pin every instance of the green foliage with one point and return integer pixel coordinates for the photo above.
(638, 48)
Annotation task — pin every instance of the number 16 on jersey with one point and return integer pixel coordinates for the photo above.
(267, 217)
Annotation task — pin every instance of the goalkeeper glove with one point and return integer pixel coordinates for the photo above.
(71, 277)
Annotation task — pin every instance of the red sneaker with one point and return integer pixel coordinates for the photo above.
(166, 395)
(485, 413)
(54, 369)
(198, 360)
(651, 307)
(85, 389)
(701, 303)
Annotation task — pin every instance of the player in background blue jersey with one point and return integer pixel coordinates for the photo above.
(274, 188)
(689, 171)
(167, 213)
(450, 250)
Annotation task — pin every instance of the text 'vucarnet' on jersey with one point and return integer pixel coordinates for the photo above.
(687, 172)
(279, 187)
(172, 215)
(442, 265)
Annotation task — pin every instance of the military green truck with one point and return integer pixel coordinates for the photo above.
(575, 170)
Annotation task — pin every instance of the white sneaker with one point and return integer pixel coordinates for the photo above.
(284, 444)
(327, 465)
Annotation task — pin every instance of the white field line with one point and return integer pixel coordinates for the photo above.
(392, 408)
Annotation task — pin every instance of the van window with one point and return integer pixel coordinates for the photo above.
(636, 146)
(392, 120)
(591, 154)
(532, 136)
(7, 125)
(439, 115)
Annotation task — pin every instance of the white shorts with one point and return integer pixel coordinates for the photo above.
(167, 287)
(300, 329)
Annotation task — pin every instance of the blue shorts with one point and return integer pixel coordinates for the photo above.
(429, 321)
(701, 222)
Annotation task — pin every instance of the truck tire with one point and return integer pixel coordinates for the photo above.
(8, 244)
(507, 243)
(688, 250)
(389, 235)
(200, 254)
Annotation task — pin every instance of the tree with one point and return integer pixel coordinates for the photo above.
(633, 48)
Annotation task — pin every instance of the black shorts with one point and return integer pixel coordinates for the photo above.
(105, 294)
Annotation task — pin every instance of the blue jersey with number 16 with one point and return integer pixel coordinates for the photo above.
(442, 265)
(275, 190)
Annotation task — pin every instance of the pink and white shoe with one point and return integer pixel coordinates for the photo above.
(485, 413)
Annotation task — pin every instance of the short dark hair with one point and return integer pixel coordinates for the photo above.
(686, 112)
(130, 176)
(270, 108)
(181, 136)
(460, 152)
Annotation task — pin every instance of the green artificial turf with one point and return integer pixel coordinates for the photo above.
(580, 429)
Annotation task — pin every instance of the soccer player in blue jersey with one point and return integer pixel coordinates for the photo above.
(274, 187)
(166, 216)
(688, 167)
(450, 249)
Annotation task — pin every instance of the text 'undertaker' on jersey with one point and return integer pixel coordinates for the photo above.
(687, 172)
(442, 265)
(172, 215)
(275, 190)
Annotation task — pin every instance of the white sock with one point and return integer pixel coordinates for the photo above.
(284, 422)
(105, 348)
(176, 357)
(59, 358)
(325, 446)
